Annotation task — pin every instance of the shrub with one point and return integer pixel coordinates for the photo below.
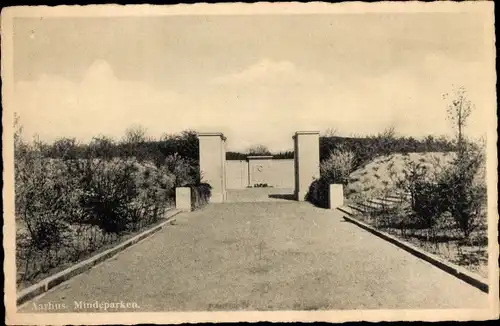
(334, 170)
(154, 190)
(200, 195)
(185, 144)
(45, 204)
(136, 144)
(337, 167)
(102, 147)
(454, 188)
(70, 199)
(65, 148)
(426, 193)
(412, 174)
(184, 170)
(318, 193)
(465, 194)
(427, 202)
(108, 191)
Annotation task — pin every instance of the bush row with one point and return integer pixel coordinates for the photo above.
(185, 144)
(367, 148)
(70, 206)
(243, 156)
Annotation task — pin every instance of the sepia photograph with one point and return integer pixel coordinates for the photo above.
(250, 162)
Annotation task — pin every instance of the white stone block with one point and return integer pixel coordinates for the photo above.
(306, 147)
(183, 198)
(336, 195)
(213, 163)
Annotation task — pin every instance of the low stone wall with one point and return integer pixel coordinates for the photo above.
(278, 173)
(236, 174)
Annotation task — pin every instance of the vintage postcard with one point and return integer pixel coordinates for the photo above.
(250, 162)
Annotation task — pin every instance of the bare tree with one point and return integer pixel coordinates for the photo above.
(18, 127)
(259, 150)
(135, 134)
(388, 133)
(459, 110)
(65, 148)
(465, 194)
(330, 132)
(134, 142)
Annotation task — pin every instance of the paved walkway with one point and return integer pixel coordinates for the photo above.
(267, 194)
(264, 256)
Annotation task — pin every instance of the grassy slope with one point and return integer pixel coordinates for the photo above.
(379, 176)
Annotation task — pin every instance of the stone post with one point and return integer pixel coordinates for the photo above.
(183, 198)
(213, 163)
(336, 195)
(306, 146)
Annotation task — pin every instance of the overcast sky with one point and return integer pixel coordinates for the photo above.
(258, 79)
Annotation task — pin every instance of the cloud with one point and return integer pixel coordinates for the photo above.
(270, 72)
(100, 103)
(262, 104)
(413, 95)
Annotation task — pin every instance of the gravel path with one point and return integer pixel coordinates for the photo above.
(263, 256)
(259, 195)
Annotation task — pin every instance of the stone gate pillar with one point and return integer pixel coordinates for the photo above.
(213, 163)
(306, 147)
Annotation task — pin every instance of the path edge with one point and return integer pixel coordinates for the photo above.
(66, 274)
(455, 270)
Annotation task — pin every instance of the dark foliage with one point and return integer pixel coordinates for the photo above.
(284, 155)
(318, 193)
(108, 191)
(428, 202)
(243, 156)
(185, 144)
(236, 156)
(366, 149)
(200, 194)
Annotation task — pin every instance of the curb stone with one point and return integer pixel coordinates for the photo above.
(64, 275)
(455, 270)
